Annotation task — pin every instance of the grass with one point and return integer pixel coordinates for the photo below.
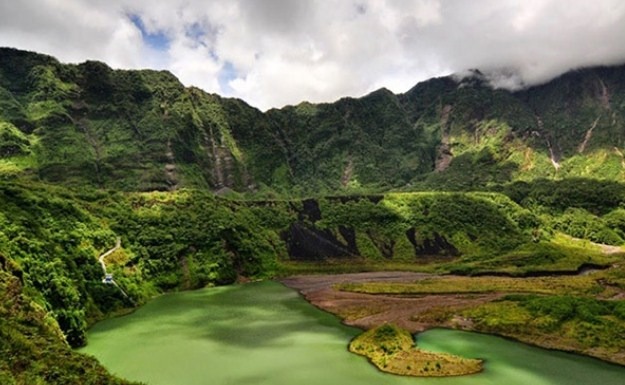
(583, 325)
(560, 253)
(346, 266)
(392, 350)
(16, 165)
(474, 285)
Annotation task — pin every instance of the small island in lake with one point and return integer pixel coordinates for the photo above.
(393, 350)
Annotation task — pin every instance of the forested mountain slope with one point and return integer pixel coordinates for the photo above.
(87, 124)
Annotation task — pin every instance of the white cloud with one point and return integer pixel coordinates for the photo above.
(274, 52)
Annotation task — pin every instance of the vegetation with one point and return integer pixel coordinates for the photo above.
(184, 240)
(87, 124)
(393, 350)
(580, 324)
(31, 345)
(560, 254)
(205, 190)
(415, 227)
(52, 237)
(189, 239)
(581, 313)
(472, 285)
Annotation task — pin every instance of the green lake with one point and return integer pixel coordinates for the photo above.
(265, 333)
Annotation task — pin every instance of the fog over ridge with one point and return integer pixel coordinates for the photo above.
(276, 52)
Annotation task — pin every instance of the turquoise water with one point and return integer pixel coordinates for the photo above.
(264, 333)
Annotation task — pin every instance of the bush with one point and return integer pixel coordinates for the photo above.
(582, 224)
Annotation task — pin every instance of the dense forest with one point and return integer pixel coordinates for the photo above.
(450, 177)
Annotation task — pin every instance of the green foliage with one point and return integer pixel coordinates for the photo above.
(170, 241)
(557, 253)
(54, 241)
(565, 308)
(11, 110)
(581, 224)
(597, 197)
(143, 131)
(410, 225)
(452, 284)
(583, 324)
(12, 141)
(393, 350)
(619, 310)
(193, 239)
(615, 220)
(31, 348)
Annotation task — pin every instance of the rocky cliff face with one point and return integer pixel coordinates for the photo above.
(142, 130)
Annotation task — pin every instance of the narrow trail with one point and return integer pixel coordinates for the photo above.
(118, 244)
(108, 278)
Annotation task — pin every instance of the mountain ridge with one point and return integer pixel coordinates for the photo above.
(142, 130)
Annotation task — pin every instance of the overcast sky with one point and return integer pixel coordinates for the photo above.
(276, 52)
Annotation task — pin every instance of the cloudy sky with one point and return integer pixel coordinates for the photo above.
(276, 52)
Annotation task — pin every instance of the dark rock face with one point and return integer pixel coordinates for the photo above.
(305, 243)
(437, 245)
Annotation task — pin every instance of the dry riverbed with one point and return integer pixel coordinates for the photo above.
(366, 310)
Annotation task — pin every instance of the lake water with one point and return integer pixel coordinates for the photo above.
(265, 333)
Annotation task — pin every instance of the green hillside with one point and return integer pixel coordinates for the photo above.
(90, 125)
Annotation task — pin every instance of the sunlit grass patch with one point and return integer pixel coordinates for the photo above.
(560, 253)
(393, 350)
(465, 285)
(345, 266)
(565, 322)
(16, 164)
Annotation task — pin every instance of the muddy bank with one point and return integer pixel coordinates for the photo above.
(366, 311)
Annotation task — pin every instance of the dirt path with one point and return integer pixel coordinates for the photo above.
(118, 244)
(108, 278)
(366, 311)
